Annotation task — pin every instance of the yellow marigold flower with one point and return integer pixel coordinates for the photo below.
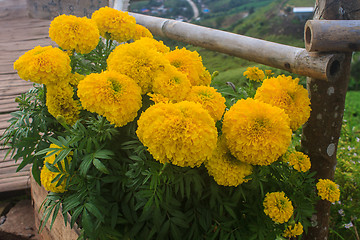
(172, 84)
(112, 95)
(59, 101)
(226, 169)
(286, 93)
(328, 190)
(139, 61)
(141, 31)
(256, 132)
(278, 207)
(75, 78)
(158, 98)
(159, 46)
(205, 78)
(189, 63)
(43, 65)
(268, 73)
(254, 74)
(46, 176)
(210, 99)
(114, 24)
(183, 133)
(299, 161)
(74, 33)
(293, 231)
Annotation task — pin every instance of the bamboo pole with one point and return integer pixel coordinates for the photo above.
(321, 133)
(332, 35)
(292, 59)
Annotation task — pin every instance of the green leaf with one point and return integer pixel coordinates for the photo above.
(36, 172)
(114, 214)
(26, 160)
(104, 154)
(56, 142)
(230, 211)
(56, 178)
(55, 213)
(100, 166)
(164, 232)
(175, 232)
(180, 222)
(62, 155)
(71, 204)
(85, 165)
(75, 215)
(48, 151)
(46, 216)
(94, 211)
(51, 167)
(62, 178)
(87, 222)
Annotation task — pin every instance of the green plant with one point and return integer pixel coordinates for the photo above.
(148, 177)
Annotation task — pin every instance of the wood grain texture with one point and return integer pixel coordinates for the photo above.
(18, 34)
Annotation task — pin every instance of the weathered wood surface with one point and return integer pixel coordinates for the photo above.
(332, 35)
(322, 131)
(292, 59)
(19, 33)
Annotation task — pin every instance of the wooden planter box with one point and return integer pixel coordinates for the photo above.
(58, 231)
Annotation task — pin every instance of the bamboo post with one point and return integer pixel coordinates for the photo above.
(322, 131)
(292, 59)
(332, 35)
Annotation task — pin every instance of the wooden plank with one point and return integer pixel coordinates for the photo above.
(14, 91)
(12, 169)
(5, 117)
(8, 164)
(8, 158)
(16, 184)
(19, 34)
(13, 176)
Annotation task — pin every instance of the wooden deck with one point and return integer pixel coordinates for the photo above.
(18, 34)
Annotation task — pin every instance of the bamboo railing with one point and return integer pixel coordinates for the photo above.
(292, 59)
(332, 35)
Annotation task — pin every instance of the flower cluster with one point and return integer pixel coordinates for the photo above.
(328, 190)
(190, 63)
(226, 169)
(254, 74)
(111, 81)
(47, 176)
(293, 230)
(114, 25)
(278, 207)
(256, 132)
(74, 33)
(299, 161)
(118, 97)
(286, 93)
(44, 65)
(210, 99)
(182, 133)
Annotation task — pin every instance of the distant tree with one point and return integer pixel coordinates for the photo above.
(251, 10)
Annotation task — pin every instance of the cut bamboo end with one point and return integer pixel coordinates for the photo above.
(332, 35)
(292, 59)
